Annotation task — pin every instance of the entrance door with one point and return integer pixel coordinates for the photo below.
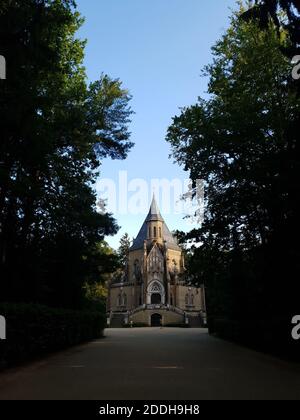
(156, 299)
(156, 320)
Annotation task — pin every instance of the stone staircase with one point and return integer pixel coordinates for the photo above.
(117, 321)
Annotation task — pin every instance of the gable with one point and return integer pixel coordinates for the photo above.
(155, 260)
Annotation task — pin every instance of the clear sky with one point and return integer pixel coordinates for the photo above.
(157, 48)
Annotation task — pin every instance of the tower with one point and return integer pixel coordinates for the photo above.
(160, 255)
(154, 223)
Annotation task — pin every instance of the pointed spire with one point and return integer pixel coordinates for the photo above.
(155, 216)
(154, 212)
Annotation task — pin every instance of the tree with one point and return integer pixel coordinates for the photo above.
(123, 251)
(241, 143)
(284, 14)
(55, 130)
(104, 265)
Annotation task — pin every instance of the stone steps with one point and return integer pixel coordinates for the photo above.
(117, 321)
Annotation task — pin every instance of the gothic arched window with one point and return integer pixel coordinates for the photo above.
(155, 232)
(189, 299)
(136, 268)
(160, 232)
(156, 287)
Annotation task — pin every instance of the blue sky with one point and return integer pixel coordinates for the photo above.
(157, 48)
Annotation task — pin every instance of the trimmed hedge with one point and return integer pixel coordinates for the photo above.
(272, 336)
(34, 330)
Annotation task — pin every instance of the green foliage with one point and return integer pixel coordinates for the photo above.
(33, 330)
(243, 143)
(55, 130)
(106, 264)
(235, 141)
(123, 251)
(102, 264)
(95, 297)
(268, 335)
(283, 13)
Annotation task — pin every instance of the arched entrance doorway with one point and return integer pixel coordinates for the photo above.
(156, 293)
(156, 320)
(156, 299)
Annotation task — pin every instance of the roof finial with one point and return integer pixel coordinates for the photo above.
(153, 193)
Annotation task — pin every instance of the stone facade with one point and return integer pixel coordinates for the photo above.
(154, 290)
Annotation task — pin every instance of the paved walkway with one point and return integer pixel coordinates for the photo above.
(167, 364)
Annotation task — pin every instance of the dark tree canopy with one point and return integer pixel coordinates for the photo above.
(242, 141)
(55, 130)
(123, 251)
(284, 13)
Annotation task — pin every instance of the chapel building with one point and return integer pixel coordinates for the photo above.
(154, 289)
